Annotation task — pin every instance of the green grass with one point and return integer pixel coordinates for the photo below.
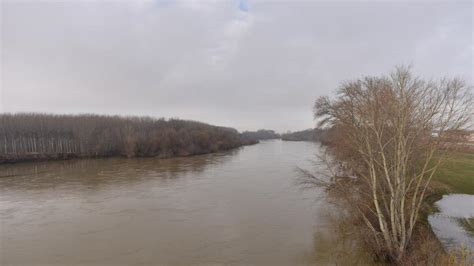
(457, 174)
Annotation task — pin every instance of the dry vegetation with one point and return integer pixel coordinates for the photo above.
(262, 134)
(388, 136)
(312, 134)
(43, 136)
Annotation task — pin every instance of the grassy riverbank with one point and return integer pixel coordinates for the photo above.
(456, 175)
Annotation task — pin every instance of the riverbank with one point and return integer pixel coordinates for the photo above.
(40, 137)
(455, 176)
(35, 157)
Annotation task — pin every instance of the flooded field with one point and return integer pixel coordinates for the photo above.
(454, 223)
(238, 207)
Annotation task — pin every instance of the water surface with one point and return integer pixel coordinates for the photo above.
(454, 223)
(237, 207)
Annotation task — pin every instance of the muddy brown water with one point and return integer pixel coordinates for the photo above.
(239, 207)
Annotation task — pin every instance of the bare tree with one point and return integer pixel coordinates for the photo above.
(390, 134)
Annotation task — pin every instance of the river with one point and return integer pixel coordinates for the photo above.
(244, 206)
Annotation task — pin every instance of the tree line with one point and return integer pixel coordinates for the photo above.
(29, 136)
(261, 134)
(312, 134)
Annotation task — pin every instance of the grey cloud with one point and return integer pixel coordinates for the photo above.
(210, 61)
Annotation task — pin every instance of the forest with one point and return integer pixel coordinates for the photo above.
(261, 134)
(32, 136)
(312, 134)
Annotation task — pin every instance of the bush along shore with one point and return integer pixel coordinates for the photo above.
(32, 137)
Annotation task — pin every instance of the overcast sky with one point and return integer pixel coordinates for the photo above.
(243, 64)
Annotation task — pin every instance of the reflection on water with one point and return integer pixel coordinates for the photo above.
(454, 223)
(236, 207)
(101, 172)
